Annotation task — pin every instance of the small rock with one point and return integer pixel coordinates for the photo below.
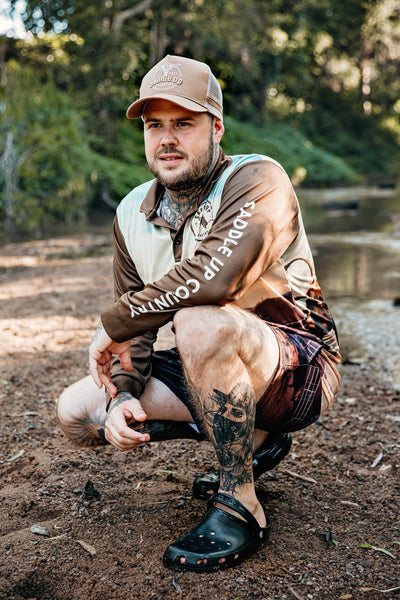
(39, 530)
(89, 491)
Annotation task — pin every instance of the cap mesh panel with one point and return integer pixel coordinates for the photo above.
(214, 90)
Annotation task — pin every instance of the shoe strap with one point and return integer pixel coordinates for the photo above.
(237, 506)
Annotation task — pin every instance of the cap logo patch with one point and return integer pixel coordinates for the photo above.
(166, 77)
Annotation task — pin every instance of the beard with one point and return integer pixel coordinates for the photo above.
(195, 174)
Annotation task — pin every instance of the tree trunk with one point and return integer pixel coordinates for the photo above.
(8, 168)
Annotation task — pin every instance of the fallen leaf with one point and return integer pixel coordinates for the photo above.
(369, 547)
(91, 549)
(328, 536)
(90, 492)
(346, 597)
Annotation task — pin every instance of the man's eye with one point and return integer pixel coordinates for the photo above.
(183, 124)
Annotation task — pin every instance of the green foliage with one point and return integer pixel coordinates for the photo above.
(127, 168)
(304, 162)
(367, 146)
(45, 153)
(313, 83)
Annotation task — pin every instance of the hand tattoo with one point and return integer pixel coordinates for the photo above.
(119, 399)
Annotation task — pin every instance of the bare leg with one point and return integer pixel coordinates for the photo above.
(230, 365)
(81, 410)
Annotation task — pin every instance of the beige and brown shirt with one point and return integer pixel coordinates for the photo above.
(242, 242)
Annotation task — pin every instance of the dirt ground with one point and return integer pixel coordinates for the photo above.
(334, 502)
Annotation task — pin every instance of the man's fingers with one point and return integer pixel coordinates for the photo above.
(107, 382)
(120, 435)
(136, 409)
(125, 359)
(93, 370)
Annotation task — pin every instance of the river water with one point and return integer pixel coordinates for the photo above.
(357, 257)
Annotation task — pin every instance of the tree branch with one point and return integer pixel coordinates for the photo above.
(119, 19)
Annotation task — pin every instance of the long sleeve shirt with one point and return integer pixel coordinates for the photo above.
(242, 242)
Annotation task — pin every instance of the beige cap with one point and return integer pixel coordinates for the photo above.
(184, 81)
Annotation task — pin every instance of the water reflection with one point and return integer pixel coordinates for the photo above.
(374, 213)
(364, 266)
(357, 257)
(357, 252)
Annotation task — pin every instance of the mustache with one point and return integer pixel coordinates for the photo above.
(165, 151)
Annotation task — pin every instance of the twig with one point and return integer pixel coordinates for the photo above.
(395, 589)
(56, 537)
(377, 460)
(25, 414)
(303, 477)
(20, 453)
(295, 594)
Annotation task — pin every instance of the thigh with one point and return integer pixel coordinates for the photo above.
(292, 401)
(257, 346)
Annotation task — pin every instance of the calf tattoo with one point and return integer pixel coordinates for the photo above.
(86, 429)
(230, 418)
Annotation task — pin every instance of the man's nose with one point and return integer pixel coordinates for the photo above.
(168, 138)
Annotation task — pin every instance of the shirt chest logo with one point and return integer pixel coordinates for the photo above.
(202, 221)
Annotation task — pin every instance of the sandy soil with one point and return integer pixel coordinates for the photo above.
(334, 502)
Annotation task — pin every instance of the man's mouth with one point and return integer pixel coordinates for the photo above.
(170, 157)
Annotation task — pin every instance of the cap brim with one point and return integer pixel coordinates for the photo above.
(136, 108)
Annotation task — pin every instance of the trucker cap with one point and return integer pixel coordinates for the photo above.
(184, 81)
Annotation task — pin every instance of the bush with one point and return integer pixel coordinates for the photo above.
(45, 156)
(304, 162)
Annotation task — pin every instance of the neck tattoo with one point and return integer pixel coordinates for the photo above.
(176, 203)
(173, 209)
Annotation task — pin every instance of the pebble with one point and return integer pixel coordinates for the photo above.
(39, 530)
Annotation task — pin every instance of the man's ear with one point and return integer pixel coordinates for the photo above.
(218, 129)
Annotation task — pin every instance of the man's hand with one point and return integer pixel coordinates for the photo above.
(100, 353)
(124, 409)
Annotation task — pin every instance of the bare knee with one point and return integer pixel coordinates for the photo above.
(203, 332)
(81, 413)
(213, 340)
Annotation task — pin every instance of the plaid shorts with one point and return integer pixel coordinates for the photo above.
(292, 401)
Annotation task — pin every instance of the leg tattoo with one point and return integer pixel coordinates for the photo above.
(230, 418)
(87, 429)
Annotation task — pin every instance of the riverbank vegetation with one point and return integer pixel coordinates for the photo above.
(313, 83)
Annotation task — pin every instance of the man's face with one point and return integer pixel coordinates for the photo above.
(180, 145)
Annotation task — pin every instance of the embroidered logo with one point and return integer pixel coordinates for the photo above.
(166, 77)
(202, 221)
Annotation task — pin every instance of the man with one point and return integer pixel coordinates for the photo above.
(216, 245)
